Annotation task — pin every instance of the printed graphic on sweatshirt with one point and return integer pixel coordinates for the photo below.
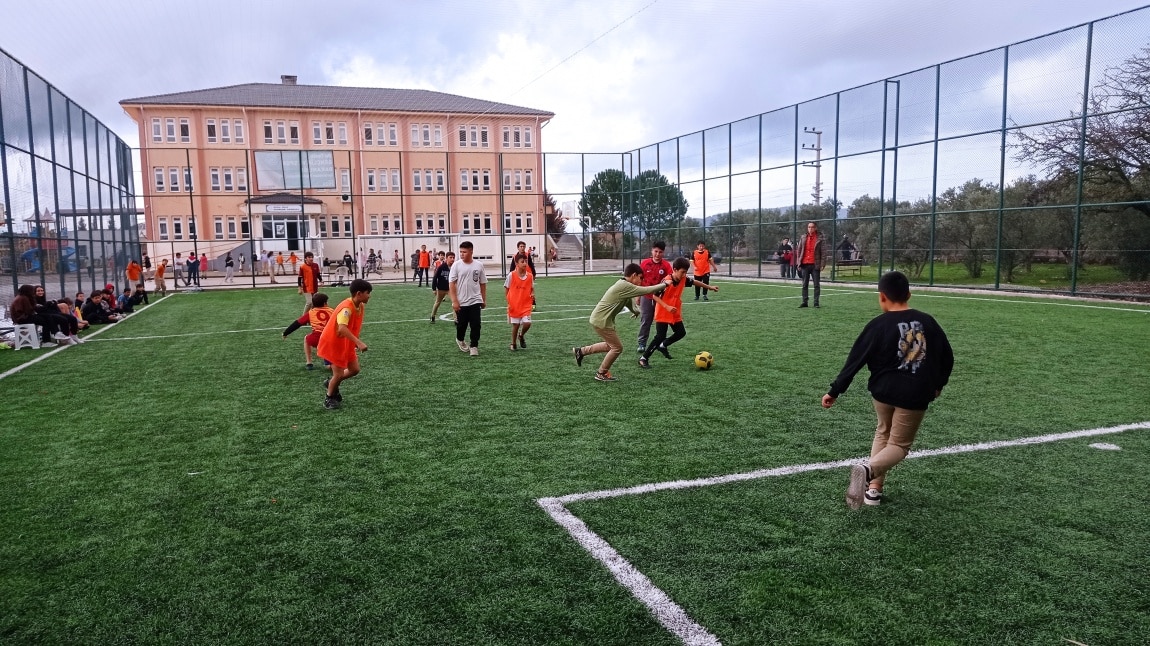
(911, 346)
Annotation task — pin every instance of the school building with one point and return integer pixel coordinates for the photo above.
(291, 167)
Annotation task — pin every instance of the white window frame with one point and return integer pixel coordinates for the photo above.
(487, 179)
(210, 130)
(158, 176)
(416, 174)
(185, 131)
(518, 179)
(170, 127)
(242, 179)
(177, 228)
(464, 174)
(383, 180)
(188, 179)
(157, 130)
(162, 228)
(293, 132)
(393, 134)
(526, 136)
(462, 136)
(237, 131)
(373, 223)
(437, 136)
(484, 141)
(228, 186)
(371, 180)
(345, 180)
(415, 135)
(418, 224)
(466, 224)
(380, 134)
(341, 129)
(173, 179)
(396, 184)
(329, 132)
(214, 179)
(267, 131)
(316, 133)
(527, 184)
(474, 180)
(225, 132)
(218, 227)
(281, 131)
(506, 180)
(368, 131)
(527, 222)
(232, 227)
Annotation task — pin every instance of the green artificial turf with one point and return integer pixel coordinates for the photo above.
(176, 479)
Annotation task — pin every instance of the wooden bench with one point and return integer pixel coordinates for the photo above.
(854, 265)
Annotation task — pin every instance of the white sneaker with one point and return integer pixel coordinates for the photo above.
(475, 352)
(76, 340)
(462, 345)
(872, 497)
(69, 341)
(60, 336)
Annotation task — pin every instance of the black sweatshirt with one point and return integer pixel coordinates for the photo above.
(908, 355)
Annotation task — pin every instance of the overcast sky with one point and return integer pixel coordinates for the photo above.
(618, 74)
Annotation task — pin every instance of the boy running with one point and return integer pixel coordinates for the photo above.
(620, 295)
(338, 343)
(440, 282)
(669, 311)
(309, 280)
(910, 361)
(519, 289)
(317, 317)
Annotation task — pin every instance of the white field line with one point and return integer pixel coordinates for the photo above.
(665, 610)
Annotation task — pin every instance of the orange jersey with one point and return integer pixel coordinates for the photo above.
(336, 349)
(309, 275)
(317, 318)
(424, 259)
(160, 271)
(702, 260)
(672, 296)
(519, 291)
(133, 271)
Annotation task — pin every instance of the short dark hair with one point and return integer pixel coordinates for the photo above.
(519, 256)
(681, 263)
(309, 255)
(659, 244)
(319, 299)
(358, 285)
(520, 243)
(895, 286)
(450, 253)
(632, 269)
(466, 244)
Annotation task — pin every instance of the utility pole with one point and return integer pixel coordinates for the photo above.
(817, 164)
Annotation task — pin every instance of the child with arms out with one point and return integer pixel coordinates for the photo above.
(620, 295)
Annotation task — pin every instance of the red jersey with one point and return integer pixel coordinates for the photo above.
(654, 272)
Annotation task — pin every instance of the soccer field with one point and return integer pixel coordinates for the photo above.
(176, 479)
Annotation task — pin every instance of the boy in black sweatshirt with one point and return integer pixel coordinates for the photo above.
(910, 360)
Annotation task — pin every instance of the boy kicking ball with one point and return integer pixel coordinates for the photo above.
(618, 296)
(669, 312)
(339, 342)
(910, 361)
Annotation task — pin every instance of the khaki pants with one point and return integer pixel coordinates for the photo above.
(896, 430)
(611, 344)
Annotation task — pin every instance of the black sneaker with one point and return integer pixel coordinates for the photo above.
(578, 356)
(330, 403)
(604, 376)
(816, 304)
(642, 348)
(325, 383)
(643, 363)
(309, 366)
(872, 497)
(663, 350)
(802, 305)
(338, 396)
(522, 341)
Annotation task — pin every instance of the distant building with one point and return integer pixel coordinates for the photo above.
(300, 167)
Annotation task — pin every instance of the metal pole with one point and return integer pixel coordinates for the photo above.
(1002, 168)
(894, 181)
(759, 173)
(1074, 256)
(934, 173)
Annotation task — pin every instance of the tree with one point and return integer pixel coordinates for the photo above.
(1113, 155)
(601, 206)
(555, 221)
(655, 203)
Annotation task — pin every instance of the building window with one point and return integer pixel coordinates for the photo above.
(163, 223)
(415, 135)
(322, 228)
(418, 224)
(466, 229)
(329, 135)
(442, 223)
(483, 137)
(342, 133)
(518, 180)
(437, 136)
(427, 135)
(293, 132)
(267, 132)
(427, 180)
(174, 179)
(370, 180)
(238, 131)
(439, 180)
(463, 173)
(392, 134)
(507, 181)
(344, 180)
(157, 130)
(396, 187)
(462, 136)
(211, 128)
(245, 228)
(242, 179)
(368, 130)
(170, 125)
(347, 230)
(380, 135)
(191, 226)
(398, 228)
(415, 176)
(383, 180)
(231, 228)
(185, 131)
(214, 178)
(228, 180)
(475, 180)
(373, 223)
(507, 223)
(527, 180)
(527, 222)
(281, 132)
(187, 179)
(177, 228)
(316, 133)
(158, 173)
(487, 179)
(225, 132)
(219, 227)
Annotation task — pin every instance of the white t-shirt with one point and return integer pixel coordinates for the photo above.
(467, 278)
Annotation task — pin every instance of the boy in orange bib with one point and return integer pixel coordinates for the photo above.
(340, 340)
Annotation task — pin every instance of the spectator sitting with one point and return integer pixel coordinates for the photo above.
(94, 312)
(67, 306)
(23, 311)
(125, 303)
(69, 325)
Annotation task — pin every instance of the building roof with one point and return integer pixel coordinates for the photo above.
(277, 95)
(284, 198)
